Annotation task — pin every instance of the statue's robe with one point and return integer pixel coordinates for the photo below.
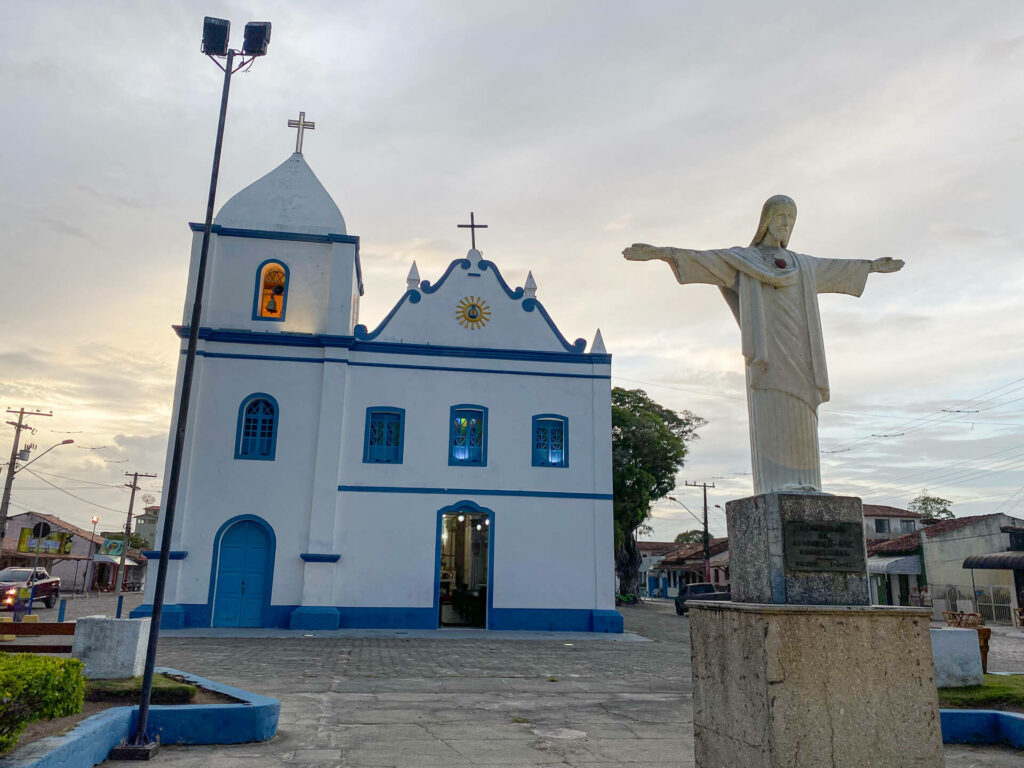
(777, 311)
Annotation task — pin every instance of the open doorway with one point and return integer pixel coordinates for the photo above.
(465, 556)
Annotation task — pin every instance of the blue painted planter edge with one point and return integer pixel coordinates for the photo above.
(253, 719)
(982, 726)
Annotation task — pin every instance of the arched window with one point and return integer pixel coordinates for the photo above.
(550, 440)
(271, 291)
(257, 428)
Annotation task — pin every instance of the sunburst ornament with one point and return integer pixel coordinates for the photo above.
(472, 312)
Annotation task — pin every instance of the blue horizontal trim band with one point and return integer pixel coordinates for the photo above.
(174, 554)
(388, 347)
(313, 557)
(475, 492)
(480, 370)
(289, 359)
(268, 234)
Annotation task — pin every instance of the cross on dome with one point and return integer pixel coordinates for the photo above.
(302, 125)
(472, 227)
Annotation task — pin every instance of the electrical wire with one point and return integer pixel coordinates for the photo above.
(86, 501)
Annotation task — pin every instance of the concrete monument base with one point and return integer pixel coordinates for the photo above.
(801, 686)
(111, 648)
(797, 548)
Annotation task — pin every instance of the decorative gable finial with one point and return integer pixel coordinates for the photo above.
(598, 348)
(530, 289)
(413, 279)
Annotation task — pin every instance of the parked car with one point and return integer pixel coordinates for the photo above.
(699, 591)
(47, 587)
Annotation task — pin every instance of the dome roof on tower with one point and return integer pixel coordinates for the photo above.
(288, 199)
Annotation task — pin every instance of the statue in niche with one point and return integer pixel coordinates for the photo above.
(773, 293)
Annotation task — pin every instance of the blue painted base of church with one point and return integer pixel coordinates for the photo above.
(330, 618)
(314, 617)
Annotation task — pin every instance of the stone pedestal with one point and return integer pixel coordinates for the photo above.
(797, 549)
(111, 648)
(786, 686)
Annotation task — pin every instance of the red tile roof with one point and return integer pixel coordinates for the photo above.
(656, 546)
(880, 510)
(696, 551)
(911, 542)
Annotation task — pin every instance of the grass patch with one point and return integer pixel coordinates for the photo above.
(166, 690)
(997, 692)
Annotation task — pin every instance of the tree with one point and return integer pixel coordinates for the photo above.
(931, 508)
(137, 541)
(690, 537)
(649, 444)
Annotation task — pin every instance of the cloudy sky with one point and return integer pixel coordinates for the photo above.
(573, 129)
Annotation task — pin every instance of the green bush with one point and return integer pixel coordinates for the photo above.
(36, 688)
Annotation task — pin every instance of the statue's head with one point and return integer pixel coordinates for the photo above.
(778, 215)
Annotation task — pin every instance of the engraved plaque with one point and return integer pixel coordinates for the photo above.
(823, 546)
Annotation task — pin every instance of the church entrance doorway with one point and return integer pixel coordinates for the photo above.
(464, 568)
(243, 576)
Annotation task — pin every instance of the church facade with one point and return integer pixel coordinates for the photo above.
(449, 467)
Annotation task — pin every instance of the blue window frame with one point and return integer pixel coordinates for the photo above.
(257, 428)
(550, 437)
(385, 436)
(271, 294)
(467, 436)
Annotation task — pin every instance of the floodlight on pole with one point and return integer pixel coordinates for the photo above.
(216, 34)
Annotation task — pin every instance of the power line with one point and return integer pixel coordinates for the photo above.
(86, 501)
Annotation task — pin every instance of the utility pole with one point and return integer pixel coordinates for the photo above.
(18, 426)
(134, 485)
(707, 543)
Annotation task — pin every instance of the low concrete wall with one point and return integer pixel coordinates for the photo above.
(957, 657)
(111, 648)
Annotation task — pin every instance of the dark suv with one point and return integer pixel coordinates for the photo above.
(700, 591)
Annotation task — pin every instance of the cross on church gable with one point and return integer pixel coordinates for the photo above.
(302, 125)
(472, 227)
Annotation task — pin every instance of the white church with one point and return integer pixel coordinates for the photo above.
(450, 467)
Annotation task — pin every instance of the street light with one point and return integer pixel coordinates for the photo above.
(216, 33)
(12, 470)
(707, 546)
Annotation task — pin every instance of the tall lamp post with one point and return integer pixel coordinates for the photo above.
(91, 573)
(704, 526)
(215, 45)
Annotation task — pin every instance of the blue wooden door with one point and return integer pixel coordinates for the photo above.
(243, 586)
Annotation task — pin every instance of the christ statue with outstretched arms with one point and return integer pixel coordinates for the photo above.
(773, 293)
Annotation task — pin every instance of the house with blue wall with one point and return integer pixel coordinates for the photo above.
(463, 428)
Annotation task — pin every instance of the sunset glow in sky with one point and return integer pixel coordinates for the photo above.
(572, 129)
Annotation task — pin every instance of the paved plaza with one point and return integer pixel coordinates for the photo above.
(411, 701)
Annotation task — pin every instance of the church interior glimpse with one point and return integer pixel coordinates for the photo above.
(465, 544)
(272, 290)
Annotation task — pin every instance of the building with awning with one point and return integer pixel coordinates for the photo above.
(905, 564)
(964, 564)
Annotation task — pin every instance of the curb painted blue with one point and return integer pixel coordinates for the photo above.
(982, 726)
(253, 719)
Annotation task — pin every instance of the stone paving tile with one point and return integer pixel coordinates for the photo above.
(408, 703)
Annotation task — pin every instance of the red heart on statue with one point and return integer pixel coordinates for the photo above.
(780, 263)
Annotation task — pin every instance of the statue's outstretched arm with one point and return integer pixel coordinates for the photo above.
(645, 252)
